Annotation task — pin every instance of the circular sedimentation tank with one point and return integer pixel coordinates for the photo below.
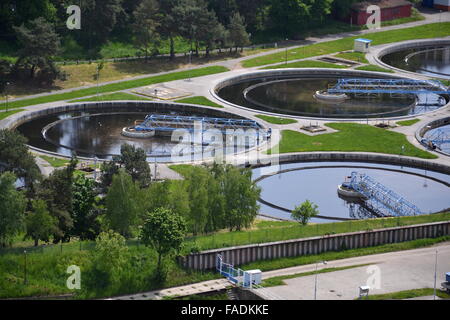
(97, 130)
(432, 59)
(318, 182)
(301, 93)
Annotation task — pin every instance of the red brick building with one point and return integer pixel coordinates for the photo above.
(390, 10)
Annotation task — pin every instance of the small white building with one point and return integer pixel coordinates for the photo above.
(362, 45)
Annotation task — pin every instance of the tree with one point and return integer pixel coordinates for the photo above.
(84, 211)
(305, 212)
(108, 258)
(99, 19)
(198, 199)
(238, 36)
(39, 43)
(169, 26)
(290, 16)
(40, 224)
(134, 161)
(15, 157)
(57, 192)
(109, 169)
(124, 204)
(164, 231)
(12, 208)
(147, 22)
(241, 194)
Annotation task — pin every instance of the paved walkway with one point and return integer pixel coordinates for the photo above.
(187, 290)
(398, 271)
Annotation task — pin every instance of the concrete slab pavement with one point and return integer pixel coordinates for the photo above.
(397, 271)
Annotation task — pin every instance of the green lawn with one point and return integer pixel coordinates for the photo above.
(46, 266)
(6, 114)
(420, 32)
(407, 122)
(306, 64)
(408, 294)
(354, 56)
(352, 137)
(275, 120)
(46, 271)
(55, 162)
(200, 100)
(119, 86)
(112, 97)
(372, 67)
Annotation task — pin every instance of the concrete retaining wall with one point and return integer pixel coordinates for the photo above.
(362, 157)
(291, 248)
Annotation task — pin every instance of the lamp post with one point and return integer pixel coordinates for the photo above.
(6, 95)
(25, 278)
(315, 280)
(286, 52)
(435, 275)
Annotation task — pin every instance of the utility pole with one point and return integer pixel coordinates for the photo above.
(6, 95)
(435, 275)
(286, 53)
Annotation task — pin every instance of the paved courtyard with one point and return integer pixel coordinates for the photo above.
(404, 270)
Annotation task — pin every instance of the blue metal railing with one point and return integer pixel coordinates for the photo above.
(170, 123)
(381, 197)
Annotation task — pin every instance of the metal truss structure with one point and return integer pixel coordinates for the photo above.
(380, 198)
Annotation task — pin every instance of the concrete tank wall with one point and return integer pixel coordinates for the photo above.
(292, 248)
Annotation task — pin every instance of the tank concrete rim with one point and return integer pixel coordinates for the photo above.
(312, 72)
(273, 205)
(410, 44)
(28, 115)
(429, 126)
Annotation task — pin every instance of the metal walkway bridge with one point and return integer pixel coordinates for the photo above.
(380, 197)
(390, 86)
(437, 138)
(155, 122)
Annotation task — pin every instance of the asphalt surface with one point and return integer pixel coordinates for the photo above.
(386, 273)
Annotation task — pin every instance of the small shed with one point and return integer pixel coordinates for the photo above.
(362, 45)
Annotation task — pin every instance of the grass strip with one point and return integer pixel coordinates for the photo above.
(306, 64)
(407, 122)
(374, 68)
(275, 120)
(123, 85)
(55, 162)
(351, 137)
(6, 114)
(270, 232)
(200, 100)
(279, 280)
(354, 56)
(408, 294)
(433, 30)
(112, 97)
